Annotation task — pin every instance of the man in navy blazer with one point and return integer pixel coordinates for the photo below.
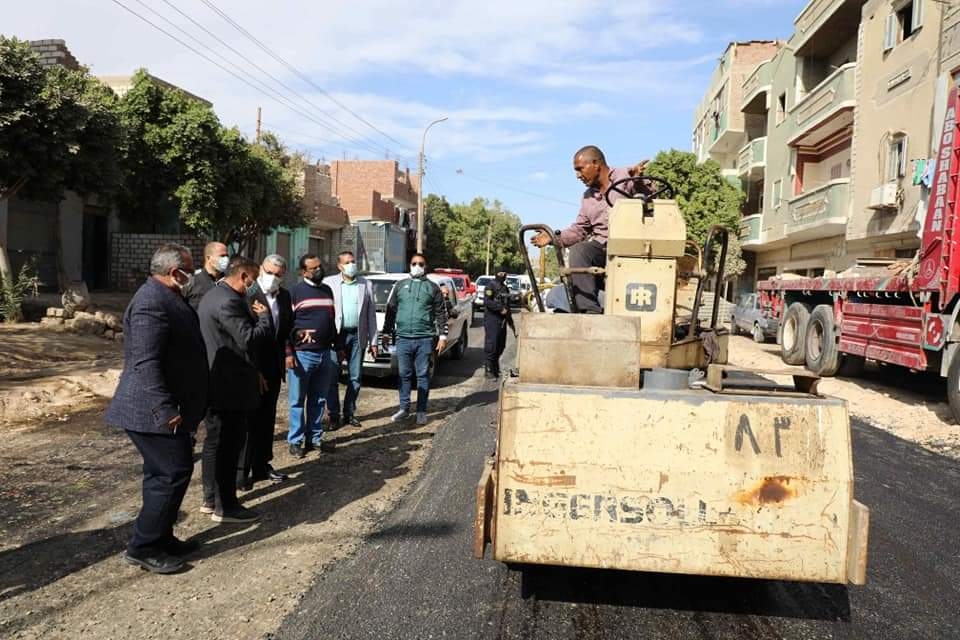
(159, 401)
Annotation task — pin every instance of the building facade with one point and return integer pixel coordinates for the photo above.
(838, 135)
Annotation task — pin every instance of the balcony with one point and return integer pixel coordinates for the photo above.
(752, 159)
(825, 114)
(750, 231)
(820, 212)
(823, 24)
(756, 89)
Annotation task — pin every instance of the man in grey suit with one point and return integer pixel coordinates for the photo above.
(159, 401)
(231, 335)
(356, 319)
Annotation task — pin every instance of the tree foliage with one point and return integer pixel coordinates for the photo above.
(457, 235)
(181, 161)
(705, 198)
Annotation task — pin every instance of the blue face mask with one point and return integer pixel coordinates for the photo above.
(350, 269)
(222, 263)
(252, 289)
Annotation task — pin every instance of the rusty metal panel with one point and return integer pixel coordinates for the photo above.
(551, 350)
(677, 482)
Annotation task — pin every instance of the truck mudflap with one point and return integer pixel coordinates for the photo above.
(690, 481)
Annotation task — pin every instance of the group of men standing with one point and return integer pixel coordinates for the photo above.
(215, 346)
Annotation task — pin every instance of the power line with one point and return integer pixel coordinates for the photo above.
(282, 100)
(265, 72)
(297, 72)
(508, 187)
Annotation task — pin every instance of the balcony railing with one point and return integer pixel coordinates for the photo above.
(837, 90)
(761, 77)
(750, 230)
(813, 16)
(752, 156)
(825, 205)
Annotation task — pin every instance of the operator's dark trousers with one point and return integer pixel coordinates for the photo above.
(167, 467)
(587, 253)
(494, 340)
(258, 449)
(226, 435)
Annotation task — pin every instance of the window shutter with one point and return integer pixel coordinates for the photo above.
(890, 37)
(917, 14)
(902, 169)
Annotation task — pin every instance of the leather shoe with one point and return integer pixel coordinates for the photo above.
(178, 547)
(154, 560)
(245, 484)
(333, 423)
(297, 451)
(352, 421)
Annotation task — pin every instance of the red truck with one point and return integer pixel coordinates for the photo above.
(904, 315)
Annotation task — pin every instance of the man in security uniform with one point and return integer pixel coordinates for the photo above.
(496, 317)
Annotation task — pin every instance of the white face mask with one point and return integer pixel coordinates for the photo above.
(222, 263)
(183, 285)
(269, 282)
(350, 269)
(416, 271)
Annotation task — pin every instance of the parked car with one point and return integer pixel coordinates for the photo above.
(514, 283)
(750, 317)
(481, 284)
(385, 365)
(467, 289)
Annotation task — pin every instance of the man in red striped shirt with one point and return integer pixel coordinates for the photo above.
(312, 353)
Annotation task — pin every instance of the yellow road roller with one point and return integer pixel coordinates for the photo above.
(627, 442)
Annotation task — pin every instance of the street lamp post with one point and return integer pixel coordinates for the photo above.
(420, 225)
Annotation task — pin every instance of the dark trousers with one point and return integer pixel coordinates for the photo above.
(226, 435)
(588, 253)
(494, 340)
(258, 449)
(167, 467)
(354, 352)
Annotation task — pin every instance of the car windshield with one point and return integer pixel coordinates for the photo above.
(513, 283)
(461, 283)
(381, 292)
(483, 280)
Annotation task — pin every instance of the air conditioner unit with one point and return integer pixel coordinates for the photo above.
(884, 196)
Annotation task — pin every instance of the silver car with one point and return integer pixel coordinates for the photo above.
(749, 317)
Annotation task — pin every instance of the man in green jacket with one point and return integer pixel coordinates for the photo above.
(416, 315)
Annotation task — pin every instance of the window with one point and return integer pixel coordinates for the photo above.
(897, 158)
(315, 246)
(777, 193)
(905, 21)
(781, 107)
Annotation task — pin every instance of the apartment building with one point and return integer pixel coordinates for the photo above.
(374, 190)
(833, 170)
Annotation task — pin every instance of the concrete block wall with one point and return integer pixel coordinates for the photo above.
(130, 255)
(54, 52)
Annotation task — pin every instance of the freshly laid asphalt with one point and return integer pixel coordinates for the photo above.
(416, 576)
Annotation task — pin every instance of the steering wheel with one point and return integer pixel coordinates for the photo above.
(666, 189)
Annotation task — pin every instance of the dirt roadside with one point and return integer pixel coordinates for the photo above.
(69, 488)
(910, 406)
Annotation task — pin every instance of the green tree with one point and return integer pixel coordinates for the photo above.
(58, 130)
(705, 198)
(457, 235)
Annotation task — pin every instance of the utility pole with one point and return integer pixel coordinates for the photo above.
(258, 125)
(420, 225)
(489, 229)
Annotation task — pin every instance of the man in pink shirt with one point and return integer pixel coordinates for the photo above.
(587, 236)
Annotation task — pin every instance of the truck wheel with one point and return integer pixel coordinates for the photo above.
(822, 354)
(793, 329)
(757, 334)
(460, 350)
(953, 387)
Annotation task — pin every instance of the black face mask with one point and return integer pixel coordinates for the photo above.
(316, 277)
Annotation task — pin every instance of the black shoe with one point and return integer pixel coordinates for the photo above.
(178, 547)
(297, 451)
(275, 476)
(308, 446)
(154, 560)
(352, 421)
(333, 423)
(236, 515)
(326, 446)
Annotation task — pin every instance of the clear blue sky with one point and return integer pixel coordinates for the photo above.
(523, 84)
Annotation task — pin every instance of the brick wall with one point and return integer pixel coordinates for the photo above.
(54, 52)
(130, 255)
(372, 189)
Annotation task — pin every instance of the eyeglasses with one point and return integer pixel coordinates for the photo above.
(418, 264)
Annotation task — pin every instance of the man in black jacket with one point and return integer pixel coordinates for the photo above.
(160, 400)
(215, 261)
(497, 316)
(231, 335)
(269, 355)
